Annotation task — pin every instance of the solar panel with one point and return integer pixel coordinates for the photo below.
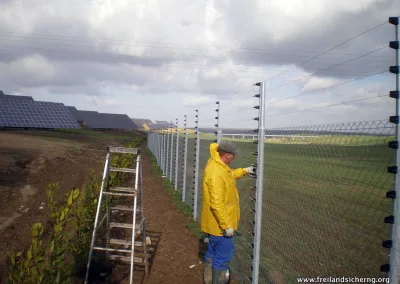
(87, 117)
(111, 121)
(74, 112)
(33, 114)
(9, 97)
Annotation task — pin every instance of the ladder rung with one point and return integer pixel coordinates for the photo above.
(126, 258)
(123, 225)
(123, 150)
(113, 249)
(119, 194)
(124, 208)
(122, 170)
(123, 189)
(125, 242)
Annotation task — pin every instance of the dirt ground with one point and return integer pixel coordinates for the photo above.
(30, 160)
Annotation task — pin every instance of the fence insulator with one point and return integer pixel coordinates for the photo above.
(385, 268)
(394, 69)
(393, 170)
(394, 119)
(394, 94)
(394, 44)
(391, 194)
(389, 219)
(387, 244)
(394, 144)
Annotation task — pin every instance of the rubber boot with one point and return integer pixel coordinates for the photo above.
(218, 276)
(207, 277)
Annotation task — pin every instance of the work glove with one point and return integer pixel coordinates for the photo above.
(228, 232)
(250, 170)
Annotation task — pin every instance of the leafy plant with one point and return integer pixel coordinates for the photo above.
(41, 264)
(70, 232)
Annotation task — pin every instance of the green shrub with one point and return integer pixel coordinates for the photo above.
(71, 227)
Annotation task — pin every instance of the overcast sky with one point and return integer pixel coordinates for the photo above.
(163, 59)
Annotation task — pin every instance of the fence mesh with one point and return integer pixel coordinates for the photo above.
(325, 201)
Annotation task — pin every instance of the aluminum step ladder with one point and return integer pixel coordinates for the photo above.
(116, 203)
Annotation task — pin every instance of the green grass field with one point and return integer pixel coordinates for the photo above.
(324, 203)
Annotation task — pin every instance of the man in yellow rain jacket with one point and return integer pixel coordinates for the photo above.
(220, 210)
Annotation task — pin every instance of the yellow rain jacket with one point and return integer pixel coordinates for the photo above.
(220, 209)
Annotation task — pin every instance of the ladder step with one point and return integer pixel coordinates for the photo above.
(119, 194)
(126, 258)
(123, 150)
(113, 249)
(123, 225)
(128, 243)
(123, 189)
(122, 170)
(124, 208)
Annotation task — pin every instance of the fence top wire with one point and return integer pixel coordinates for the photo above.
(329, 87)
(328, 68)
(329, 50)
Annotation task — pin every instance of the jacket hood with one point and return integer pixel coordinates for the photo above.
(215, 155)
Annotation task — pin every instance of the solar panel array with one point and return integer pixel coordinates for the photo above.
(24, 112)
(96, 120)
(32, 114)
(112, 121)
(9, 97)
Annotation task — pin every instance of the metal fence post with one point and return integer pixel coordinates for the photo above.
(259, 184)
(218, 140)
(176, 155)
(196, 168)
(394, 256)
(219, 136)
(168, 152)
(161, 151)
(164, 163)
(184, 162)
(158, 147)
(171, 156)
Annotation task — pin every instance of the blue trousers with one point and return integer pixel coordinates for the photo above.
(219, 251)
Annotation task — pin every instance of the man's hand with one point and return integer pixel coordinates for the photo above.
(250, 170)
(228, 232)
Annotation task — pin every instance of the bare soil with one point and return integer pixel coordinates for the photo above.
(31, 160)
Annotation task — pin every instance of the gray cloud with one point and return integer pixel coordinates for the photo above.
(211, 48)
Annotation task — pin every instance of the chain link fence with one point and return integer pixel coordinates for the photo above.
(325, 201)
(322, 202)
